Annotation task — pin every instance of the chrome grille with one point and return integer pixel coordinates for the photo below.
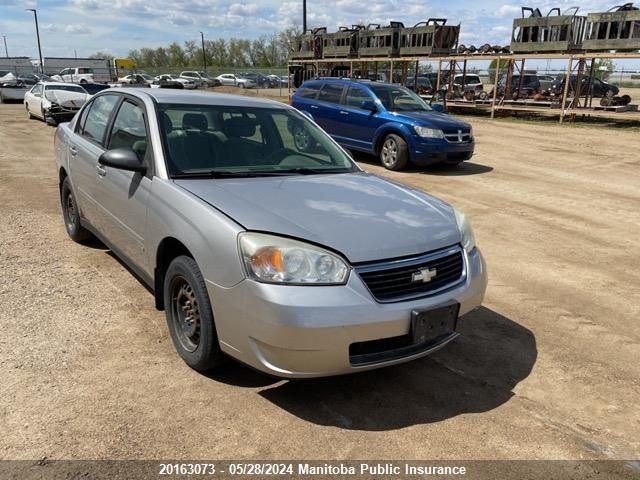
(459, 135)
(393, 281)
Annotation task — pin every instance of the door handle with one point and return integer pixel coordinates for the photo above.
(342, 112)
(73, 150)
(101, 171)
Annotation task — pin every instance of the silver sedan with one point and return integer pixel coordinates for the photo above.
(293, 261)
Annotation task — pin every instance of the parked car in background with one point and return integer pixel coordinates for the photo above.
(30, 79)
(386, 120)
(260, 79)
(201, 79)
(172, 78)
(136, 79)
(600, 88)
(230, 79)
(546, 81)
(529, 85)
(294, 262)
(7, 78)
(277, 81)
(424, 85)
(54, 102)
(470, 81)
(75, 75)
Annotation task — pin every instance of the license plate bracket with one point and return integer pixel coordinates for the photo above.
(427, 325)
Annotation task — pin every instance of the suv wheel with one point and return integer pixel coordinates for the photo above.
(394, 154)
(189, 315)
(71, 214)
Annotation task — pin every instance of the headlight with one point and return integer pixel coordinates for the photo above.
(468, 240)
(273, 259)
(428, 132)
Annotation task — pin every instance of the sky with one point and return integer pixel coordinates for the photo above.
(83, 27)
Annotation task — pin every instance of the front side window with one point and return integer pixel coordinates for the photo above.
(37, 90)
(215, 140)
(129, 130)
(355, 97)
(399, 99)
(98, 118)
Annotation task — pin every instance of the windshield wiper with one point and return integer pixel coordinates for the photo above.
(314, 171)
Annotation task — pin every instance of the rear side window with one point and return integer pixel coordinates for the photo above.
(331, 93)
(310, 91)
(98, 118)
(85, 70)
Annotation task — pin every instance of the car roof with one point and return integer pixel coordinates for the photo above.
(201, 98)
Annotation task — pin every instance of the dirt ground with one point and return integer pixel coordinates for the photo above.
(548, 368)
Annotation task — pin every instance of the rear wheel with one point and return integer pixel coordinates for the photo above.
(302, 139)
(394, 154)
(190, 316)
(29, 114)
(71, 214)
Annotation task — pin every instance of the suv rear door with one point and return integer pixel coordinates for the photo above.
(327, 114)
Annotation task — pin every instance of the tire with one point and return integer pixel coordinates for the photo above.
(83, 81)
(29, 114)
(189, 315)
(302, 140)
(71, 215)
(241, 85)
(394, 154)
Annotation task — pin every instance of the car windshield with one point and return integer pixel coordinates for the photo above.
(399, 99)
(211, 141)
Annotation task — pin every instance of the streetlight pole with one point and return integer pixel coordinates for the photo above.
(304, 15)
(35, 15)
(6, 51)
(204, 53)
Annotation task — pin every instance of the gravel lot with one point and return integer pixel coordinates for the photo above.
(547, 369)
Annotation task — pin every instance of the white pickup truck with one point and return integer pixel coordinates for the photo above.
(75, 75)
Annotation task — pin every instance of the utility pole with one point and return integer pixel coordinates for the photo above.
(304, 15)
(6, 51)
(35, 15)
(204, 53)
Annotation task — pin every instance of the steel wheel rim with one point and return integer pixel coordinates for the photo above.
(71, 212)
(301, 138)
(185, 314)
(389, 152)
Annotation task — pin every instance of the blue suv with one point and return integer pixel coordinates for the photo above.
(386, 120)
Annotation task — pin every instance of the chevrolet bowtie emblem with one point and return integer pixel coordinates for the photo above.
(424, 275)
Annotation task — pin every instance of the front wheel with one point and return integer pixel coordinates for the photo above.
(189, 315)
(71, 214)
(29, 114)
(394, 154)
(302, 139)
(241, 85)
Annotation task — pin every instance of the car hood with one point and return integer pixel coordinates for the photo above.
(360, 215)
(67, 99)
(431, 119)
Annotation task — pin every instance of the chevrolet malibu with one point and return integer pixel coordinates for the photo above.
(295, 262)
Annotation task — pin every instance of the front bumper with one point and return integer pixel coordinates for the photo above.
(304, 331)
(431, 151)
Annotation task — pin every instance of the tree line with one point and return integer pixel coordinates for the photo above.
(263, 52)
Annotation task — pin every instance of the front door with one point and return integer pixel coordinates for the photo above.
(122, 195)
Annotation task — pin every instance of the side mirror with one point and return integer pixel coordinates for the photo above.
(438, 107)
(122, 158)
(369, 105)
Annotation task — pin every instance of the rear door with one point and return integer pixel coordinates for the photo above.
(122, 195)
(85, 147)
(327, 114)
